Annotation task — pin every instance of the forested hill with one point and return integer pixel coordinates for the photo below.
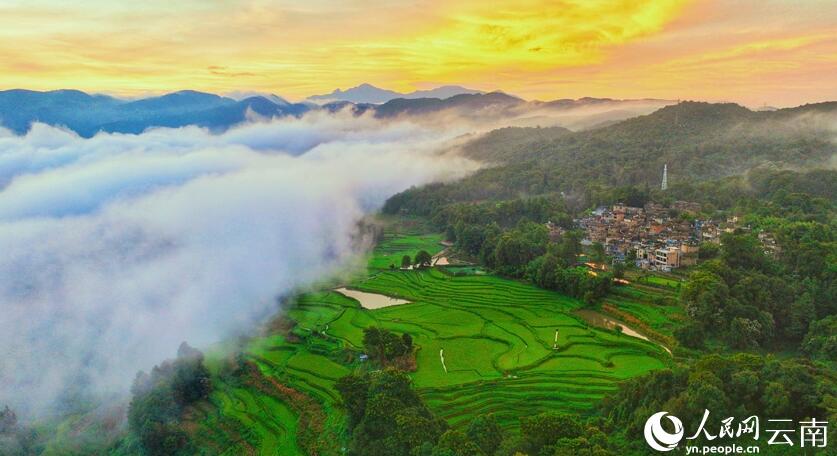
(698, 141)
(691, 131)
(505, 144)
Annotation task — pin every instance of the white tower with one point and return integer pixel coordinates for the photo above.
(664, 185)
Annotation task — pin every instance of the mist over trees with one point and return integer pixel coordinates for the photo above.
(103, 231)
(160, 398)
(698, 141)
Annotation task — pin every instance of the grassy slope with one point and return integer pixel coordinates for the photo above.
(497, 337)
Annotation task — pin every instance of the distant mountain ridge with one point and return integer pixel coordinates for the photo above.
(88, 114)
(420, 106)
(367, 93)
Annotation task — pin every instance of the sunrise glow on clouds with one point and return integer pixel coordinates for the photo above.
(749, 51)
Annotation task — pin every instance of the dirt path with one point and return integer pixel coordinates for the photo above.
(440, 259)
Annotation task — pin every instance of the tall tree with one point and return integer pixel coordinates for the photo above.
(486, 433)
(423, 259)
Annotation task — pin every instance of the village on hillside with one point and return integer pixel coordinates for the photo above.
(656, 237)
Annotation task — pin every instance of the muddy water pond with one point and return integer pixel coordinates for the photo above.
(603, 321)
(371, 300)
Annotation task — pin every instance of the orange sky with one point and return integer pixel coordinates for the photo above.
(778, 52)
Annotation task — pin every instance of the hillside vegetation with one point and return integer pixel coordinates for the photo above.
(698, 141)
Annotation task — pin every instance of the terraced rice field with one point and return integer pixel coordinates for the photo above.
(653, 305)
(403, 241)
(239, 420)
(661, 281)
(465, 270)
(510, 349)
(244, 416)
(499, 342)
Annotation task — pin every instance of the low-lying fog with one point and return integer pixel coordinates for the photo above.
(117, 248)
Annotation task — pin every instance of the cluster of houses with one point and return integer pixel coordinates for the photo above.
(654, 236)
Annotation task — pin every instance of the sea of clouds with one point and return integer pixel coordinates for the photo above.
(115, 249)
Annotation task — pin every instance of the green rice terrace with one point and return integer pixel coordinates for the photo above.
(484, 345)
(649, 305)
